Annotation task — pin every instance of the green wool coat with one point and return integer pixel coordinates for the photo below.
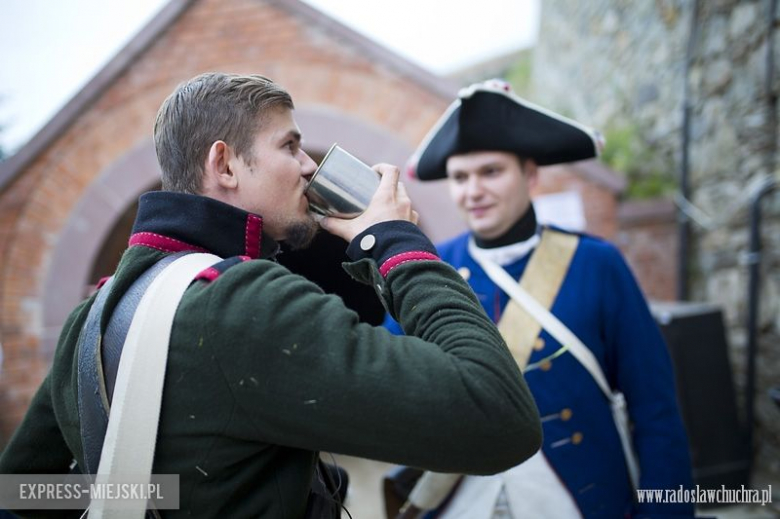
(265, 371)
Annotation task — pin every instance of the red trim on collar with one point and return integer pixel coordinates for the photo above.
(405, 257)
(160, 242)
(253, 232)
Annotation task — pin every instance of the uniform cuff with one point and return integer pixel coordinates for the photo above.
(391, 244)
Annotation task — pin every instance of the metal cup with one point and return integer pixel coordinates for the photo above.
(342, 186)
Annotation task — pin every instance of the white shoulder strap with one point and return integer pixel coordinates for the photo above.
(129, 445)
(573, 344)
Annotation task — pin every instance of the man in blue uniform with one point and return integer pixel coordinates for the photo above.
(488, 145)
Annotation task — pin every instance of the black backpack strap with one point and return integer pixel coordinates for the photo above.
(99, 360)
(119, 323)
(93, 411)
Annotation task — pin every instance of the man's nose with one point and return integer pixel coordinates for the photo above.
(474, 187)
(308, 166)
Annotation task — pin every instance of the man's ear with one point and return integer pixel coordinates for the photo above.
(217, 167)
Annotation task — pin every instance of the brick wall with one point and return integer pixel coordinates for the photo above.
(317, 64)
(648, 238)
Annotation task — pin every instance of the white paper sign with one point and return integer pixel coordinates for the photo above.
(564, 210)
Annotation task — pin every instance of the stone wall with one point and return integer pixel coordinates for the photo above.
(617, 63)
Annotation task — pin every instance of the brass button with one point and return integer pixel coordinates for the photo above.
(465, 273)
(565, 414)
(546, 365)
(539, 344)
(576, 438)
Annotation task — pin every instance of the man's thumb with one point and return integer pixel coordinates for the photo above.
(330, 224)
(338, 227)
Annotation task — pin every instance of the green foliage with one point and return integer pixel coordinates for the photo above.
(621, 149)
(627, 152)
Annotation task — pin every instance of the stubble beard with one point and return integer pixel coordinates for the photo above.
(300, 234)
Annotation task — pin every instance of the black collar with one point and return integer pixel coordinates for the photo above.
(523, 229)
(174, 222)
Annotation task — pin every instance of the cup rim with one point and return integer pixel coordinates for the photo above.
(319, 167)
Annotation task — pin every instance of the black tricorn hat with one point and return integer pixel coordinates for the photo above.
(490, 117)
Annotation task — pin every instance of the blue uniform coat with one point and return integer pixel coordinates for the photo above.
(600, 301)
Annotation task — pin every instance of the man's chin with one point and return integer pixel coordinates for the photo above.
(300, 234)
(480, 227)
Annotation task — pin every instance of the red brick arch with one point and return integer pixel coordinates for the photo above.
(62, 195)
